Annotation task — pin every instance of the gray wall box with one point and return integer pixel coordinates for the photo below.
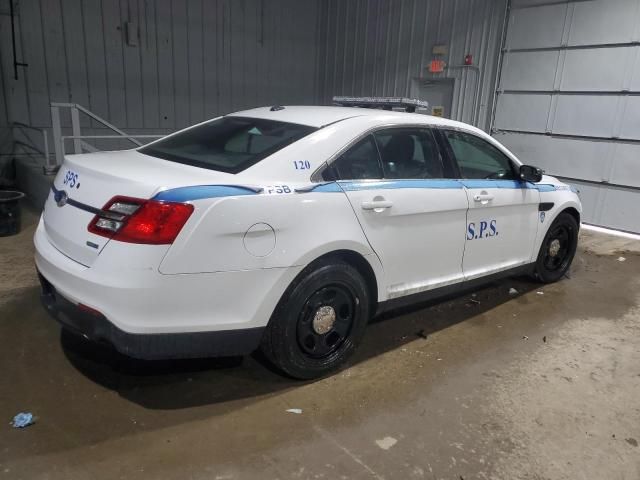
(569, 99)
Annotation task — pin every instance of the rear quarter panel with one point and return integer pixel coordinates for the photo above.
(288, 230)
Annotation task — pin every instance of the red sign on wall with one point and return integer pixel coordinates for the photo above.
(436, 66)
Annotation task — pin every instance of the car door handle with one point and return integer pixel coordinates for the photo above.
(483, 197)
(376, 204)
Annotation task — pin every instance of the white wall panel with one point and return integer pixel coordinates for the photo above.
(630, 125)
(603, 21)
(593, 126)
(625, 169)
(592, 197)
(587, 115)
(634, 66)
(618, 208)
(529, 70)
(530, 3)
(536, 27)
(596, 69)
(567, 157)
(527, 112)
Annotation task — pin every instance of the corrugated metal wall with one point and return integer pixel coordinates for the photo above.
(185, 61)
(570, 100)
(378, 47)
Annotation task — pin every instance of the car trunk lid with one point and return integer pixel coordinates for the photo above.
(85, 183)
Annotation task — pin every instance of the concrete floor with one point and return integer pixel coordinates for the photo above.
(542, 385)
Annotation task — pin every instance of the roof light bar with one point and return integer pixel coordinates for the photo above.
(386, 103)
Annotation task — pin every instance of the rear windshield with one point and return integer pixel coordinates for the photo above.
(228, 144)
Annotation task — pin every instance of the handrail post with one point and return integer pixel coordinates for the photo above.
(50, 167)
(56, 130)
(75, 128)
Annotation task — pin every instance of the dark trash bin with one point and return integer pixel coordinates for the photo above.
(10, 212)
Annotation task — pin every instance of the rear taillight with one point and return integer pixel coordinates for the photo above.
(135, 220)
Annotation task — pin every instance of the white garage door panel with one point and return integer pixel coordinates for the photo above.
(635, 76)
(618, 208)
(630, 127)
(603, 21)
(592, 197)
(536, 27)
(590, 115)
(565, 157)
(595, 69)
(575, 74)
(523, 112)
(625, 168)
(608, 206)
(528, 3)
(529, 70)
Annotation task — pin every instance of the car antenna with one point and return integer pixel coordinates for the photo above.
(276, 108)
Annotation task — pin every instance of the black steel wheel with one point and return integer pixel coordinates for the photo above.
(558, 249)
(326, 319)
(319, 321)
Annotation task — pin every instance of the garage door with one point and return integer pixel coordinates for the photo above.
(569, 100)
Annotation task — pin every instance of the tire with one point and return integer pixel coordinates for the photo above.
(319, 320)
(558, 249)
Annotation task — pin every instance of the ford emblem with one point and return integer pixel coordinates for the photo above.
(61, 198)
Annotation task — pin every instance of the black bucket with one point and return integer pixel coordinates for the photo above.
(10, 212)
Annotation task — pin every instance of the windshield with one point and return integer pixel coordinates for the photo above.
(228, 144)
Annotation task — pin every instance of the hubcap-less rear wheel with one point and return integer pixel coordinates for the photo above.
(325, 320)
(319, 321)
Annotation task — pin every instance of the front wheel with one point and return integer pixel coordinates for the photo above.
(558, 249)
(319, 321)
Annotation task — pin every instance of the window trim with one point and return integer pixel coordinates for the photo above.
(514, 165)
(316, 176)
(329, 165)
(235, 170)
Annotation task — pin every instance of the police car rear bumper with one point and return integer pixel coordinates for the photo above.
(94, 326)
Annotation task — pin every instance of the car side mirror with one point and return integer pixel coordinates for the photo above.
(530, 174)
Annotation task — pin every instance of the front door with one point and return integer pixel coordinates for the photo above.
(503, 210)
(413, 218)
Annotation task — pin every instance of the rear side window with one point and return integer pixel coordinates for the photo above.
(360, 162)
(228, 144)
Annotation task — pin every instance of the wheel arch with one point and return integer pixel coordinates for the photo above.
(573, 212)
(362, 265)
(570, 207)
(367, 265)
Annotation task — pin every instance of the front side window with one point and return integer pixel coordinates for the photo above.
(360, 162)
(478, 159)
(409, 153)
(228, 144)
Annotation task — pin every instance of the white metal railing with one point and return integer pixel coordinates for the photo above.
(79, 141)
(29, 146)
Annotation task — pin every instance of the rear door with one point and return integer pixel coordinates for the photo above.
(503, 210)
(412, 216)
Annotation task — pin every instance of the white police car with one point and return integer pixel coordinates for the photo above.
(287, 229)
